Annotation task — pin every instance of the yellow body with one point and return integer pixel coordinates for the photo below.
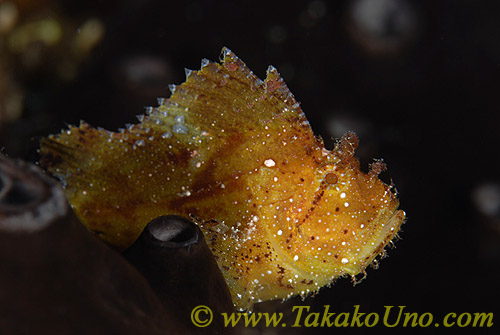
(282, 215)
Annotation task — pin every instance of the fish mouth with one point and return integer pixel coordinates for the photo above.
(386, 230)
(391, 228)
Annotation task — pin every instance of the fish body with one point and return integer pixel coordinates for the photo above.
(282, 215)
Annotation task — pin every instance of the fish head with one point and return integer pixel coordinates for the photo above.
(351, 218)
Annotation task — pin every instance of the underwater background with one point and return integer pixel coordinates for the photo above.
(418, 81)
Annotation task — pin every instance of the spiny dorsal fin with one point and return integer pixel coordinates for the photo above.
(220, 109)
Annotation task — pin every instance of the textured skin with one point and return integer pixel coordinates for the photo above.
(282, 215)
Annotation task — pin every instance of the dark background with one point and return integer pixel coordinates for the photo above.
(417, 80)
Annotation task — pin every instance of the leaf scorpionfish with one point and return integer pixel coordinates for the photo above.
(282, 215)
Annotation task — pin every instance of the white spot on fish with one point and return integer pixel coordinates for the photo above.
(269, 163)
(179, 129)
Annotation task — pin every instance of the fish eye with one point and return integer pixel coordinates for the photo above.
(331, 178)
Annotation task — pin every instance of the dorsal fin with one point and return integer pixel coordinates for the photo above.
(219, 110)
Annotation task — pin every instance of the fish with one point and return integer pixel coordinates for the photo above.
(282, 215)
